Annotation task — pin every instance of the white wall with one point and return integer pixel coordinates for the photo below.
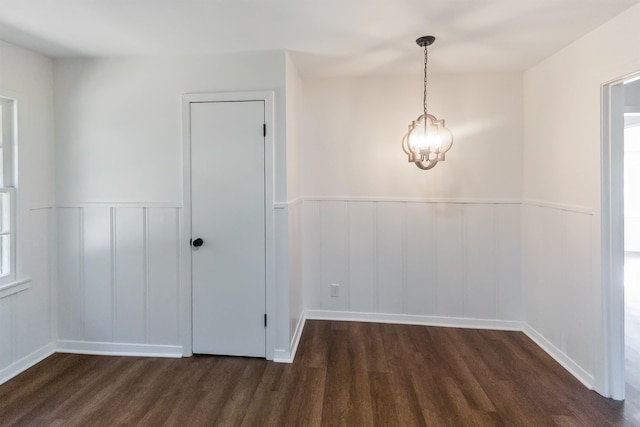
(118, 121)
(293, 127)
(294, 205)
(442, 246)
(562, 172)
(119, 190)
(27, 318)
(353, 127)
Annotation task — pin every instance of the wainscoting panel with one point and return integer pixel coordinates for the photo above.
(334, 250)
(311, 264)
(557, 244)
(70, 272)
(32, 311)
(422, 286)
(118, 274)
(450, 262)
(508, 261)
(362, 256)
(480, 273)
(413, 258)
(98, 282)
(390, 258)
(578, 262)
(27, 324)
(130, 275)
(542, 274)
(296, 308)
(281, 317)
(6, 314)
(163, 276)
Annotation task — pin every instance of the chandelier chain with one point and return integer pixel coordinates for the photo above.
(424, 99)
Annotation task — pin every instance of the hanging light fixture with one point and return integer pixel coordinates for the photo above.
(428, 139)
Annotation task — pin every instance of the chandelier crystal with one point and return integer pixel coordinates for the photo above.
(428, 139)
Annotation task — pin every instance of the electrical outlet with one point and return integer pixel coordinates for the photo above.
(335, 290)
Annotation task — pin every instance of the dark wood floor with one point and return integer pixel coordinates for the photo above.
(353, 374)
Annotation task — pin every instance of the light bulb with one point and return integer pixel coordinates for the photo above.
(434, 140)
(418, 141)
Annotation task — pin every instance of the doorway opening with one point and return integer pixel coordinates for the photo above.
(621, 236)
(632, 237)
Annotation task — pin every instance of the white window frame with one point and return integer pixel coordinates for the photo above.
(9, 129)
(11, 232)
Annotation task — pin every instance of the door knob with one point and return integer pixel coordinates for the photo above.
(197, 242)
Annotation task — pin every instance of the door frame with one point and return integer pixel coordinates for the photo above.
(612, 229)
(612, 232)
(186, 327)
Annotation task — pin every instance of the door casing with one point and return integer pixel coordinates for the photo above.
(186, 328)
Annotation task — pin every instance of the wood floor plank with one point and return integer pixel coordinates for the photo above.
(376, 357)
(336, 395)
(359, 409)
(79, 398)
(345, 374)
(402, 368)
(465, 379)
(235, 408)
(140, 397)
(266, 396)
(312, 349)
(42, 391)
(94, 409)
(218, 390)
(384, 410)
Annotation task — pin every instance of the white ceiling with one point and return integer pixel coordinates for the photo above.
(329, 37)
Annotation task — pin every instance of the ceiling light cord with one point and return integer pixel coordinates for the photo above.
(424, 99)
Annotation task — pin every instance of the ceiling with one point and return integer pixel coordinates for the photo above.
(329, 37)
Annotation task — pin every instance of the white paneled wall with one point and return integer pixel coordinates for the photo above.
(557, 278)
(429, 259)
(289, 302)
(282, 285)
(119, 279)
(27, 319)
(295, 271)
(33, 308)
(27, 327)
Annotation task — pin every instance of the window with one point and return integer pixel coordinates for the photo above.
(7, 190)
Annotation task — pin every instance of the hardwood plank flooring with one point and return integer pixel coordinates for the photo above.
(345, 374)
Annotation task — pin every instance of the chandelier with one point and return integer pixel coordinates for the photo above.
(428, 139)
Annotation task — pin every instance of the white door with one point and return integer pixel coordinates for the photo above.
(228, 215)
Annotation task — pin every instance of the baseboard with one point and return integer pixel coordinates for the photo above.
(118, 349)
(296, 336)
(410, 319)
(282, 356)
(26, 362)
(565, 361)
